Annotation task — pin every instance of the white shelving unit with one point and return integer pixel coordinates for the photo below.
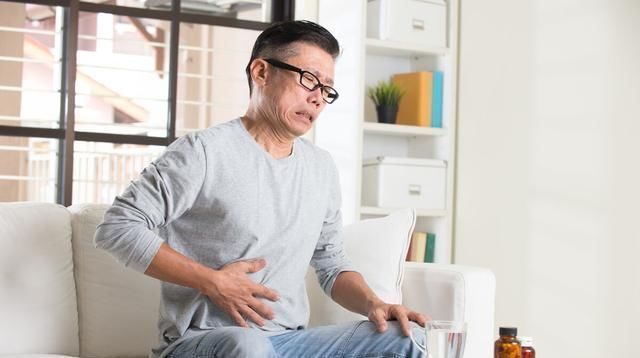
(399, 49)
(382, 59)
(401, 130)
(375, 211)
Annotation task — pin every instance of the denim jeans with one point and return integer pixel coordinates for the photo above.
(351, 340)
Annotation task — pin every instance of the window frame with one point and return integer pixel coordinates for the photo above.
(66, 134)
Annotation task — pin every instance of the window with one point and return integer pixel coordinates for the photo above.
(30, 65)
(92, 91)
(28, 168)
(122, 82)
(103, 170)
(212, 85)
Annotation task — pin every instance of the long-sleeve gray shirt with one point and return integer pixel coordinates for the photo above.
(217, 196)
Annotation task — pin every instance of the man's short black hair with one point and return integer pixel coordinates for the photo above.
(275, 41)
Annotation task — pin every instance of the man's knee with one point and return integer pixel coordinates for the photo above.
(236, 342)
(393, 327)
(393, 340)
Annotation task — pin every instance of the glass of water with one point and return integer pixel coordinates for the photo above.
(444, 339)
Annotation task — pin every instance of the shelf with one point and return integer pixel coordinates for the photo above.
(392, 48)
(401, 130)
(415, 264)
(375, 211)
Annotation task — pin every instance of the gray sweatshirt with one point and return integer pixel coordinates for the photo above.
(217, 196)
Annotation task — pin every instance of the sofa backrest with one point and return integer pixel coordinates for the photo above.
(38, 308)
(117, 307)
(377, 248)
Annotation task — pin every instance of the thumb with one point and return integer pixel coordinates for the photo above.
(255, 265)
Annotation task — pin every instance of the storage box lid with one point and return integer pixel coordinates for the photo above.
(383, 160)
(435, 2)
(438, 2)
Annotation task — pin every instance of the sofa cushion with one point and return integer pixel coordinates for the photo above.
(118, 307)
(377, 248)
(38, 311)
(455, 292)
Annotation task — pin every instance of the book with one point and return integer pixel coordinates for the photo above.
(409, 251)
(415, 105)
(429, 254)
(436, 105)
(418, 246)
(412, 247)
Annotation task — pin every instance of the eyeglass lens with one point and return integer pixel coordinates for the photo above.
(311, 82)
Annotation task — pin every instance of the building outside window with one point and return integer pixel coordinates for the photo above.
(92, 92)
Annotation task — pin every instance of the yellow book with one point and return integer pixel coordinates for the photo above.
(415, 106)
(418, 246)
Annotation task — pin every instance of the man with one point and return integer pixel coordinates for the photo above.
(241, 209)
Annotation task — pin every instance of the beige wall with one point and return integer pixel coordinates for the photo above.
(11, 163)
(548, 173)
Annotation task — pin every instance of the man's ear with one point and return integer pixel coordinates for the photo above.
(259, 71)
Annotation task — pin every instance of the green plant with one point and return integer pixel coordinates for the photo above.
(385, 93)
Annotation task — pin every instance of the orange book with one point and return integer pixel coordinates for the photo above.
(415, 106)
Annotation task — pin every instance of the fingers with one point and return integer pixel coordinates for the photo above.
(237, 318)
(261, 309)
(255, 265)
(380, 315)
(251, 266)
(252, 315)
(264, 291)
(235, 292)
(255, 311)
(400, 314)
(379, 318)
(419, 318)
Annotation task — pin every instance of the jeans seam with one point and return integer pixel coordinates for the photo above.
(342, 348)
(209, 353)
(383, 354)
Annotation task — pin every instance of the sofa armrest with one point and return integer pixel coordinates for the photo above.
(455, 292)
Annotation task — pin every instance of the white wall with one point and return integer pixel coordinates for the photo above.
(548, 168)
(339, 126)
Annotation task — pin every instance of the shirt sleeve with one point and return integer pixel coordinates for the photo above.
(329, 258)
(164, 190)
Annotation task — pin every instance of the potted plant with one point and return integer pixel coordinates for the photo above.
(386, 95)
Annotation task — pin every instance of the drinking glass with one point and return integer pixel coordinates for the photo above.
(444, 339)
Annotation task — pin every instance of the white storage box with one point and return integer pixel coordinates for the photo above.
(390, 182)
(417, 22)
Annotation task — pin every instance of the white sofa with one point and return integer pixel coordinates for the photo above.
(61, 296)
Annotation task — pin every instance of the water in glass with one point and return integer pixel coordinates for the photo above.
(441, 339)
(445, 343)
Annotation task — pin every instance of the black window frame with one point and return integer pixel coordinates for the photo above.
(66, 134)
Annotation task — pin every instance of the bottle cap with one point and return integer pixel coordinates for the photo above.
(508, 331)
(525, 341)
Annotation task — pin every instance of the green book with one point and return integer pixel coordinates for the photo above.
(429, 252)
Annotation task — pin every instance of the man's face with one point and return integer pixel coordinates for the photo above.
(294, 107)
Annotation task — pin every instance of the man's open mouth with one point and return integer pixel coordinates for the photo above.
(306, 115)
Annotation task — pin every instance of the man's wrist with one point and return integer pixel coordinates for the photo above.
(371, 302)
(204, 277)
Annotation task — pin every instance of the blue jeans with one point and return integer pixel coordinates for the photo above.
(352, 340)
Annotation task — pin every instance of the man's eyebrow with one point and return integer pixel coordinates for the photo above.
(328, 81)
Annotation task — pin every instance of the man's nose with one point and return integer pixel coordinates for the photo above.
(316, 97)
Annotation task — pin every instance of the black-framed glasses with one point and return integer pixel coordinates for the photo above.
(308, 80)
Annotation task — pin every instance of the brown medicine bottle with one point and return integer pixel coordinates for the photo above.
(527, 347)
(507, 346)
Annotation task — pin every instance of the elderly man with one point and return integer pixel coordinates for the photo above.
(230, 217)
